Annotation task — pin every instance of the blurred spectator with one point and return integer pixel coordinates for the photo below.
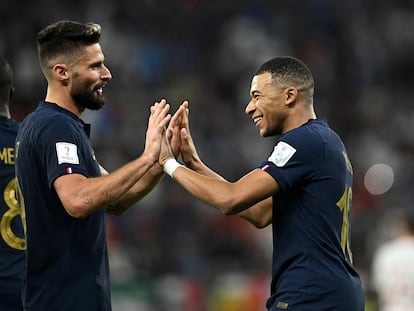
(393, 268)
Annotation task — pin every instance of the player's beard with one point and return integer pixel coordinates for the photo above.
(84, 97)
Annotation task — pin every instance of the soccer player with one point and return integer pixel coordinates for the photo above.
(63, 190)
(304, 188)
(12, 242)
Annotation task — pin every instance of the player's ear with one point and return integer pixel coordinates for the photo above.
(60, 73)
(290, 93)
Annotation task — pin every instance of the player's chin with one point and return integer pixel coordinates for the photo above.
(264, 133)
(270, 131)
(96, 104)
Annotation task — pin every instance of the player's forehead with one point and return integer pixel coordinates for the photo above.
(260, 81)
(90, 54)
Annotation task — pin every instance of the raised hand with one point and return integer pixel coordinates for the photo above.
(188, 150)
(174, 128)
(157, 123)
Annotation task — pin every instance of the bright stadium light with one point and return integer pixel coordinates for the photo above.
(379, 178)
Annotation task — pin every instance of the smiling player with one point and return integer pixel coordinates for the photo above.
(304, 189)
(62, 190)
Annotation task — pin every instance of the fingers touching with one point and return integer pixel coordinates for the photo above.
(171, 134)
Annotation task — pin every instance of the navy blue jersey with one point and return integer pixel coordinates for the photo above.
(12, 243)
(67, 259)
(312, 260)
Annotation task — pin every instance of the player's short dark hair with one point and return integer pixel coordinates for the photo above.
(289, 71)
(6, 75)
(64, 38)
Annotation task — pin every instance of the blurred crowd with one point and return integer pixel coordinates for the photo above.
(171, 252)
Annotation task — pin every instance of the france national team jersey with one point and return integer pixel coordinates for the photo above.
(67, 260)
(12, 243)
(312, 260)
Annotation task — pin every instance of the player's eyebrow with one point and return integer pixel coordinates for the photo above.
(96, 63)
(255, 92)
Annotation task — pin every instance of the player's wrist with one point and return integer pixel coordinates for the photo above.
(170, 166)
(193, 162)
(149, 156)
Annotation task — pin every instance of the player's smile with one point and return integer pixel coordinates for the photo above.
(257, 120)
(99, 89)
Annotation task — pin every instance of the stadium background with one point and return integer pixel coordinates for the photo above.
(171, 252)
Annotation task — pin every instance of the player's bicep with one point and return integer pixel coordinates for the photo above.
(67, 188)
(258, 185)
(253, 188)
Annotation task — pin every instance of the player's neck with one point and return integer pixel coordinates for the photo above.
(63, 100)
(298, 118)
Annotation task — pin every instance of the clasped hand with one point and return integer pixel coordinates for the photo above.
(177, 139)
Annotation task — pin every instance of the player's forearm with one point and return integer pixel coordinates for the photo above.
(138, 191)
(80, 195)
(201, 168)
(213, 190)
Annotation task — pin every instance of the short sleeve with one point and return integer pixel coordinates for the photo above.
(59, 148)
(294, 159)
